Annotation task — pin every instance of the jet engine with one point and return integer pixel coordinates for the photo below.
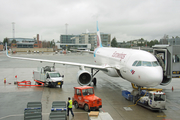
(84, 77)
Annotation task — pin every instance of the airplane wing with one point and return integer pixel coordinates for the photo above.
(60, 62)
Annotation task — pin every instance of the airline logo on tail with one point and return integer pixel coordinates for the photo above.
(99, 44)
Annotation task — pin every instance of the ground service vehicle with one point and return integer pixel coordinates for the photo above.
(84, 98)
(153, 100)
(48, 76)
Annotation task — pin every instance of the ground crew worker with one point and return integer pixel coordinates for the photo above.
(69, 106)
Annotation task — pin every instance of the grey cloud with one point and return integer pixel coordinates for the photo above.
(125, 20)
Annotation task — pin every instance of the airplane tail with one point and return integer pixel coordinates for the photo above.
(99, 43)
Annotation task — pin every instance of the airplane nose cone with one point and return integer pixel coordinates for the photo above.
(155, 76)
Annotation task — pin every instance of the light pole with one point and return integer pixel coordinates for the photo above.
(13, 30)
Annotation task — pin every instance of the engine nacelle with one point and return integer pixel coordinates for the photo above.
(84, 77)
(165, 81)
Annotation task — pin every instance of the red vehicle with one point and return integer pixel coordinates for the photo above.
(84, 98)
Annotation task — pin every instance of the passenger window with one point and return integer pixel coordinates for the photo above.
(134, 64)
(139, 63)
(145, 63)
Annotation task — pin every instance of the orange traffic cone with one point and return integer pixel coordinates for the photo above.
(172, 88)
(4, 80)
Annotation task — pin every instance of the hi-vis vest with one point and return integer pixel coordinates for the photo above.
(70, 104)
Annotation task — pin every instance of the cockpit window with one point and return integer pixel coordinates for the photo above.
(134, 64)
(155, 63)
(145, 63)
(139, 63)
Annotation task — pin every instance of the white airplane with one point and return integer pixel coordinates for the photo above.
(136, 66)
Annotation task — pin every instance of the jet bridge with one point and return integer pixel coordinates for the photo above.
(169, 58)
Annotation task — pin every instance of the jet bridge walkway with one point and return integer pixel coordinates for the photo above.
(169, 60)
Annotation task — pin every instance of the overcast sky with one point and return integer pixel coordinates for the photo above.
(123, 19)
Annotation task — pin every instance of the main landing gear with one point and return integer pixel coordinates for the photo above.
(92, 76)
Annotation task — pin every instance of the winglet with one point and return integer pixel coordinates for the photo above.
(99, 44)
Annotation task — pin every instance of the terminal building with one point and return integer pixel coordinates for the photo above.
(170, 41)
(27, 45)
(83, 41)
(25, 42)
(1, 46)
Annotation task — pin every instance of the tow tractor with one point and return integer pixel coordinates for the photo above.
(84, 98)
(153, 100)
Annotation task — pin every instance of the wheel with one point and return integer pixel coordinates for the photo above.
(51, 85)
(76, 105)
(86, 108)
(94, 81)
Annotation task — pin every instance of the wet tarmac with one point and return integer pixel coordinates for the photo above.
(14, 99)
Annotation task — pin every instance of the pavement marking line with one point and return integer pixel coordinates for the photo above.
(80, 112)
(127, 108)
(11, 116)
(161, 115)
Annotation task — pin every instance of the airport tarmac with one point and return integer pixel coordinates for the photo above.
(14, 99)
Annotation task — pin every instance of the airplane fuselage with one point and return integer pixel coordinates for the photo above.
(119, 62)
